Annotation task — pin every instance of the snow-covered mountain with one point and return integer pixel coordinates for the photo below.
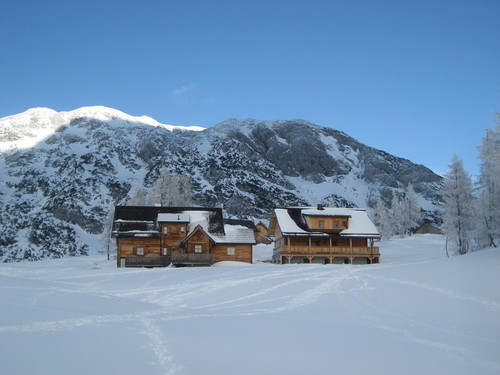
(61, 172)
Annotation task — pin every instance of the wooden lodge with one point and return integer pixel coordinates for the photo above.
(323, 235)
(180, 236)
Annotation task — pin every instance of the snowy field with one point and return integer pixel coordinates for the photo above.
(417, 312)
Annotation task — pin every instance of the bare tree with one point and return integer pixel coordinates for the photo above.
(137, 197)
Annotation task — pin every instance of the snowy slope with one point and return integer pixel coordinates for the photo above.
(60, 173)
(417, 312)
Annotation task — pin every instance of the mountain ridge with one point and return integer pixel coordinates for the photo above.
(56, 192)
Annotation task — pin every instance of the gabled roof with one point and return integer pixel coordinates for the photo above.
(291, 221)
(197, 228)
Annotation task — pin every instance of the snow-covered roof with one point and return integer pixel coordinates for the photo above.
(286, 223)
(235, 234)
(199, 218)
(174, 218)
(360, 224)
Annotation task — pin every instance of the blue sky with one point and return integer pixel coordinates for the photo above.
(419, 79)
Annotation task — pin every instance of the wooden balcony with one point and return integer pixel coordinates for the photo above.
(329, 250)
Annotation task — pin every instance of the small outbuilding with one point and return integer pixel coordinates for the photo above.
(428, 227)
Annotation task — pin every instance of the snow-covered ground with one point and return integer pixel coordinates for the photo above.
(417, 312)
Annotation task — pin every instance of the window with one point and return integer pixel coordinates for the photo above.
(198, 248)
(183, 229)
(139, 251)
(321, 224)
(230, 251)
(164, 251)
(335, 224)
(165, 230)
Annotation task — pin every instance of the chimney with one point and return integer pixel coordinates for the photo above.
(320, 207)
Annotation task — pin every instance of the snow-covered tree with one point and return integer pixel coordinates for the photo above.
(381, 218)
(411, 208)
(109, 245)
(400, 217)
(136, 196)
(170, 190)
(489, 186)
(397, 215)
(458, 215)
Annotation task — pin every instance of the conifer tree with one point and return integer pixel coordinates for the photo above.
(489, 186)
(458, 215)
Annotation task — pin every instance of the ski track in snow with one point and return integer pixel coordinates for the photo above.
(160, 347)
(174, 298)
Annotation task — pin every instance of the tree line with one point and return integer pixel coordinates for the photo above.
(470, 209)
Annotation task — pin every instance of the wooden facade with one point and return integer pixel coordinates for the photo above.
(326, 236)
(427, 227)
(158, 237)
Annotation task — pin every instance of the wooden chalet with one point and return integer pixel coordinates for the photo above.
(181, 236)
(428, 227)
(323, 235)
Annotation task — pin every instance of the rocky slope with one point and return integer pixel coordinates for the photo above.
(60, 173)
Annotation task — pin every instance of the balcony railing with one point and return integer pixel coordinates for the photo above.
(330, 250)
(148, 261)
(164, 261)
(191, 259)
